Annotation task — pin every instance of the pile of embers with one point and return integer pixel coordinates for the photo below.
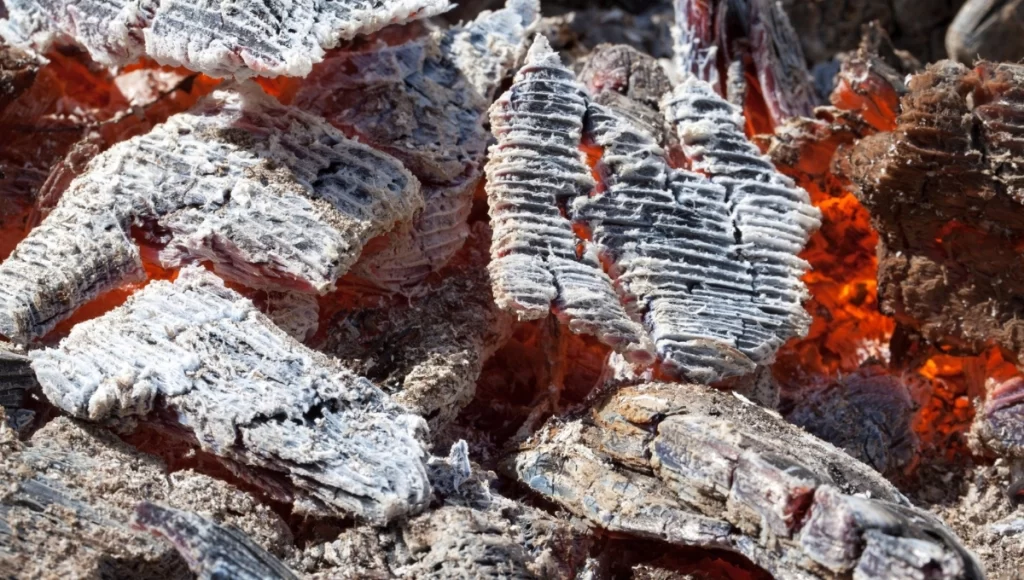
(340, 288)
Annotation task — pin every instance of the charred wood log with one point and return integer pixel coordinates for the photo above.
(200, 359)
(720, 41)
(944, 193)
(693, 466)
(210, 184)
(215, 37)
(68, 495)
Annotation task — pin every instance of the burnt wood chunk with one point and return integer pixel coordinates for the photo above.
(771, 219)
(425, 102)
(693, 466)
(69, 493)
(670, 236)
(212, 551)
(200, 359)
(722, 41)
(210, 184)
(945, 192)
(987, 29)
(535, 170)
(428, 352)
(217, 37)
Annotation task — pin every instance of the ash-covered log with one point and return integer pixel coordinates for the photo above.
(425, 102)
(693, 466)
(216, 37)
(275, 198)
(198, 360)
(767, 216)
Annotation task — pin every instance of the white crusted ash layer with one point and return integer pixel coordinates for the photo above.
(425, 102)
(201, 356)
(670, 235)
(241, 38)
(273, 197)
(772, 218)
(534, 171)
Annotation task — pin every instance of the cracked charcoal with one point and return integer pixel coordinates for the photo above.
(246, 391)
(534, 168)
(216, 37)
(214, 183)
(772, 217)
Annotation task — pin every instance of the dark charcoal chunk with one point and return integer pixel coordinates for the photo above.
(211, 551)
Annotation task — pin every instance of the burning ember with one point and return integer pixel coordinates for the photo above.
(351, 289)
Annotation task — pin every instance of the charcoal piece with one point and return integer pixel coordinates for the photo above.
(715, 39)
(987, 29)
(200, 356)
(69, 493)
(623, 69)
(215, 37)
(211, 551)
(670, 235)
(472, 533)
(945, 197)
(630, 83)
(428, 352)
(17, 72)
(534, 170)
(16, 377)
(772, 218)
(425, 102)
(575, 34)
(211, 184)
(999, 424)
(691, 465)
(828, 28)
(867, 413)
